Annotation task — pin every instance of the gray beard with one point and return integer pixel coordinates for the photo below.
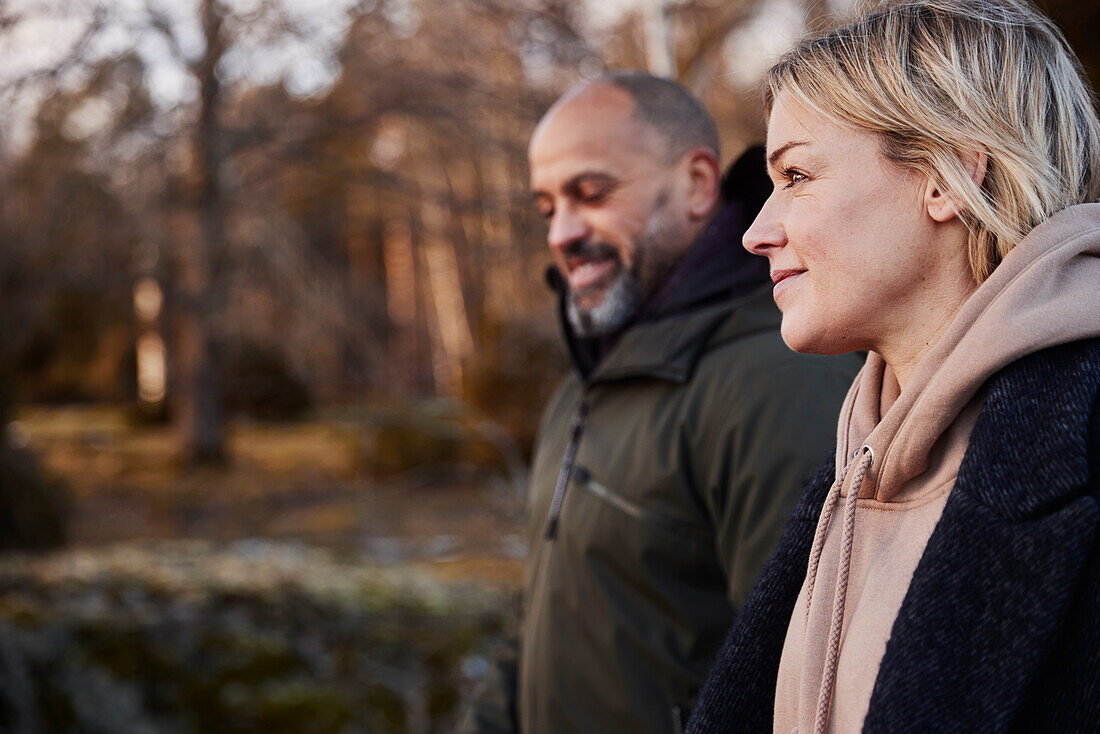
(619, 305)
(626, 295)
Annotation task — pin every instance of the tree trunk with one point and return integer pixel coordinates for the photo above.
(452, 342)
(401, 306)
(199, 402)
(659, 54)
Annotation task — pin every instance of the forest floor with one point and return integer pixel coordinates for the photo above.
(298, 589)
(298, 483)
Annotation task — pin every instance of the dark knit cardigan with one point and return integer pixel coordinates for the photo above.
(1000, 628)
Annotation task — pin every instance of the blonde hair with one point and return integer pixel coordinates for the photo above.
(943, 80)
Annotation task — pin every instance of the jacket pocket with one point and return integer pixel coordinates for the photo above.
(667, 524)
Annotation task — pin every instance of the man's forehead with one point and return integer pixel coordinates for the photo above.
(596, 119)
(599, 97)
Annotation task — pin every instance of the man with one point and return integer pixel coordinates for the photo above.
(669, 459)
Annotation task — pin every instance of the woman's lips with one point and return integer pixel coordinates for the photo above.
(590, 273)
(783, 279)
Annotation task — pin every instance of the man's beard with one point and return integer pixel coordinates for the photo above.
(655, 257)
(620, 304)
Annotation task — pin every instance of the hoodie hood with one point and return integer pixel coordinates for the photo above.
(1045, 292)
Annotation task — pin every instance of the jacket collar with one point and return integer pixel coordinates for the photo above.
(670, 348)
(666, 350)
(994, 583)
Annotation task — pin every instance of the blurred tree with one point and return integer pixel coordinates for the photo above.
(65, 253)
(32, 508)
(433, 129)
(342, 189)
(705, 26)
(198, 279)
(185, 214)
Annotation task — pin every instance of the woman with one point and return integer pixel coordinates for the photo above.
(932, 162)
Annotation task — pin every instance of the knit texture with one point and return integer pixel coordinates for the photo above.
(998, 629)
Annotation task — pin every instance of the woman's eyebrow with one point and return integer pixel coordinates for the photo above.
(778, 153)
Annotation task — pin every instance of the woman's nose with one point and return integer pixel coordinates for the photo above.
(766, 231)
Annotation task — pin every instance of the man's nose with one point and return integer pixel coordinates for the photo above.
(566, 227)
(766, 231)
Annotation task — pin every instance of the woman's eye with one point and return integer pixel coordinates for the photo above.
(793, 177)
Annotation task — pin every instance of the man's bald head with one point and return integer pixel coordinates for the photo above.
(669, 109)
(662, 105)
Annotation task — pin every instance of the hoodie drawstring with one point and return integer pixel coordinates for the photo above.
(866, 458)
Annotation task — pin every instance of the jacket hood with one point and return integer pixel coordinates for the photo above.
(1044, 293)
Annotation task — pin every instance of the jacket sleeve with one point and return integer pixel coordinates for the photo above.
(740, 690)
(493, 707)
(766, 433)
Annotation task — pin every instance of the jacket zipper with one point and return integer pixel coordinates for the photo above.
(679, 719)
(566, 469)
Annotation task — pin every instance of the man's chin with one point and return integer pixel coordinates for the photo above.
(588, 301)
(606, 311)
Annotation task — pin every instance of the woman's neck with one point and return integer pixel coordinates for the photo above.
(910, 342)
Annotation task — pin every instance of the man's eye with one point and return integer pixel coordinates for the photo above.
(593, 197)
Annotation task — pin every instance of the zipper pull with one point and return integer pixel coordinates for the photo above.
(566, 469)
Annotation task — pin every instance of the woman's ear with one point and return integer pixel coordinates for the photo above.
(940, 205)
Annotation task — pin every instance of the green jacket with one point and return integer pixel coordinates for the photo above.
(675, 464)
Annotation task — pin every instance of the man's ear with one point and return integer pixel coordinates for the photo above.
(704, 182)
(940, 205)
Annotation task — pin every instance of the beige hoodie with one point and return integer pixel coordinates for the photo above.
(903, 448)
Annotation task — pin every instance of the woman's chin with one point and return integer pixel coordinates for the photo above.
(808, 339)
(797, 336)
